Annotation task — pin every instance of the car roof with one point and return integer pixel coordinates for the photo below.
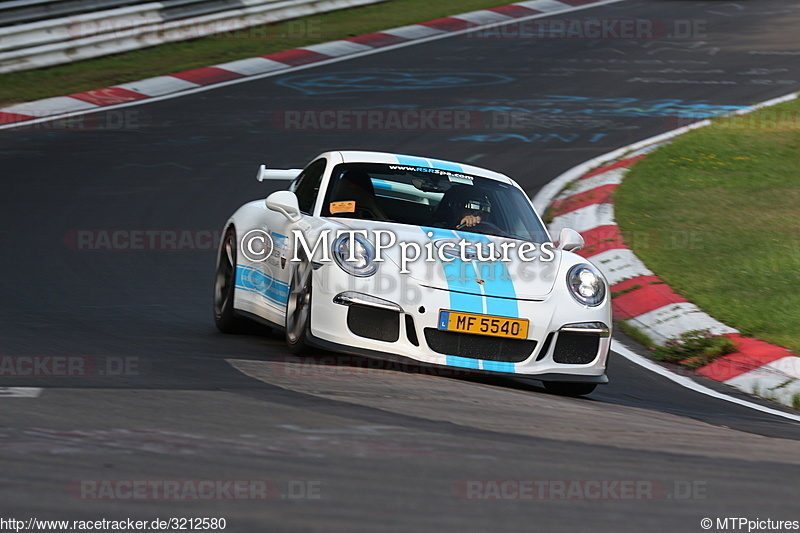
(356, 156)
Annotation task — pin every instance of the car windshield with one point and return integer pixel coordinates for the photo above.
(431, 197)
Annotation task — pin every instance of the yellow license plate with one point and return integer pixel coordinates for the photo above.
(498, 326)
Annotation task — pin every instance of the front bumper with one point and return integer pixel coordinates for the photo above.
(566, 341)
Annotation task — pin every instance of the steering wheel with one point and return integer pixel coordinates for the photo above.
(483, 227)
(366, 213)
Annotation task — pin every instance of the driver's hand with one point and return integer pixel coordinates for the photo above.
(470, 220)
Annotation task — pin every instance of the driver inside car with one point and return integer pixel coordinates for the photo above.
(473, 212)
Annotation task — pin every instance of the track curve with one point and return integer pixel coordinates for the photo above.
(162, 396)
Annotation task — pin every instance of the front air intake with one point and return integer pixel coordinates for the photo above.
(576, 348)
(479, 346)
(374, 323)
(411, 331)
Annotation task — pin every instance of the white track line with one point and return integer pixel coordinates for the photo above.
(20, 392)
(683, 381)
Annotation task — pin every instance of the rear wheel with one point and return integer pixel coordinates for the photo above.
(225, 316)
(298, 308)
(563, 388)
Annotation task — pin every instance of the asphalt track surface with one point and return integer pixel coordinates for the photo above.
(352, 445)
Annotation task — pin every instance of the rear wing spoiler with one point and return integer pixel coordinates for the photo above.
(268, 174)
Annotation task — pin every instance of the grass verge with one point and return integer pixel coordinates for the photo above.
(251, 42)
(694, 349)
(635, 333)
(715, 214)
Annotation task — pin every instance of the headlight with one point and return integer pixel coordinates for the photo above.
(586, 285)
(363, 253)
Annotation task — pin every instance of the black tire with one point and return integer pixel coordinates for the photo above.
(563, 388)
(298, 309)
(225, 317)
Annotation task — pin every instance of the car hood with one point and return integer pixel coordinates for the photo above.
(511, 278)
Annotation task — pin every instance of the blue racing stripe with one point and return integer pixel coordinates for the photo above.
(385, 185)
(460, 277)
(445, 165)
(252, 280)
(412, 161)
(498, 282)
(463, 362)
(498, 366)
(480, 364)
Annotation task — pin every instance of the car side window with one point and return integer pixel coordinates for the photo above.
(306, 185)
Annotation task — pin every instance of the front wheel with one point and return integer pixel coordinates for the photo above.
(563, 388)
(225, 316)
(298, 309)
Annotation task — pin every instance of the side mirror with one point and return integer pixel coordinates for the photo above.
(285, 203)
(570, 240)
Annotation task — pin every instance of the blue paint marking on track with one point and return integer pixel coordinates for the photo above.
(346, 82)
(531, 138)
(596, 107)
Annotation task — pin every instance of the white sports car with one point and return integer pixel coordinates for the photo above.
(398, 256)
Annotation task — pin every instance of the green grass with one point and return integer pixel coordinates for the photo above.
(632, 288)
(694, 349)
(635, 333)
(720, 210)
(250, 42)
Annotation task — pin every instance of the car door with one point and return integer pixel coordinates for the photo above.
(277, 267)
